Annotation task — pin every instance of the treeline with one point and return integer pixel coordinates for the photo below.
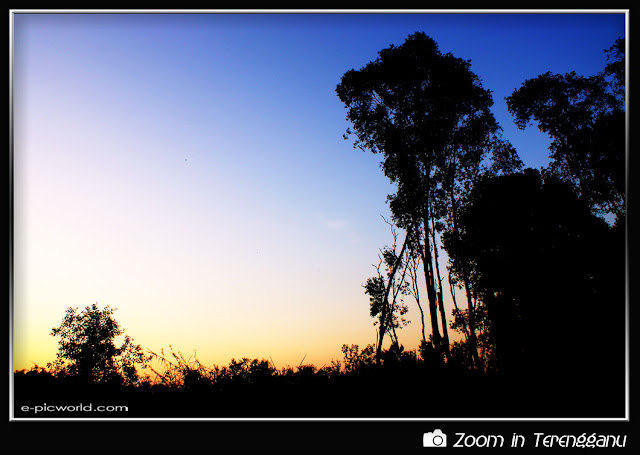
(403, 386)
(184, 387)
(363, 384)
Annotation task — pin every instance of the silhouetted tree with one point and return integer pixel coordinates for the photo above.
(413, 280)
(485, 347)
(585, 118)
(386, 291)
(616, 69)
(430, 117)
(87, 350)
(548, 271)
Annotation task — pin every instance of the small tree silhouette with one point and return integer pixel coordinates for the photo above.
(87, 350)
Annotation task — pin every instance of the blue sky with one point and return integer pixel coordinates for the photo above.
(190, 170)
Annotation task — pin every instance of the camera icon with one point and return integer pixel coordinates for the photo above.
(436, 438)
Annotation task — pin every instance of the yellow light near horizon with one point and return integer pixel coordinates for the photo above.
(214, 343)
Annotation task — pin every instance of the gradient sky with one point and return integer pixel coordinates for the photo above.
(190, 170)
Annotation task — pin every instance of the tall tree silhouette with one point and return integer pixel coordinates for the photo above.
(430, 118)
(585, 118)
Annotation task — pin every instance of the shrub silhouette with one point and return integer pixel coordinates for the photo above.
(87, 349)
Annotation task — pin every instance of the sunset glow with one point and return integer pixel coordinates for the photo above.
(190, 170)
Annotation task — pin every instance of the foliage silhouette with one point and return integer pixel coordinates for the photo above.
(255, 388)
(387, 289)
(87, 350)
(430, 118)
(585, 118)
(549, 274)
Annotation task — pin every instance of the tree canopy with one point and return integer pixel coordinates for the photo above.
(430, 117)
(87, 347)
(585, 118)
(548, 271)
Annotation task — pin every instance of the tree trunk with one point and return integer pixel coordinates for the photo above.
(427, 266)
(472, 341)
(384, 319)
(416, 295)
(443, 315)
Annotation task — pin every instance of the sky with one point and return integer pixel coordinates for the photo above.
(190, 170)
